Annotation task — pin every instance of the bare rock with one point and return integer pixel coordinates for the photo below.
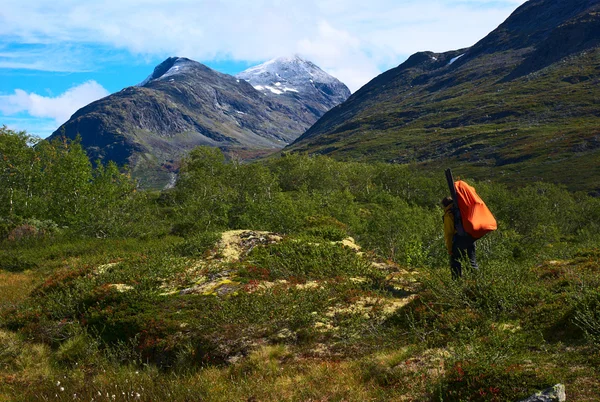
(554, 394)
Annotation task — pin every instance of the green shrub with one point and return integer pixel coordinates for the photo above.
(498, 289)
(196, 245)
(485, 366)
(282, 213)
(587, 314)
(14, 261)
(79, 349)
(306, 259)
(476, 380)
(330, 233)
(406, 234)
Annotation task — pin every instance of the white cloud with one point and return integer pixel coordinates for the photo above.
(354, 39)
(59, 108)
(340, 54)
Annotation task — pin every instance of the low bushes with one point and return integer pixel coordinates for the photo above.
(310, 258)
(113, 289)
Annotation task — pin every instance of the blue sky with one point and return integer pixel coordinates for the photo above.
(56, 56)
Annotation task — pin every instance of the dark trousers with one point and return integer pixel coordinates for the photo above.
(462, 246)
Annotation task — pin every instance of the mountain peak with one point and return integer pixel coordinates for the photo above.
(294, 59)
(289, 59)
(293, 74)
(284, 68)
(184, 104)
(170, 67)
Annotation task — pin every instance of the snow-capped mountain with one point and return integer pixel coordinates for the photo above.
(297, 78)
(183, 104)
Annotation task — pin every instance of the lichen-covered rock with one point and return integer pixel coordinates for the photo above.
(120, 287)
(554, 394)
(235, 244)
(102, 269)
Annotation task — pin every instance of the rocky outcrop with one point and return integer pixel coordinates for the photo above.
(554, 394)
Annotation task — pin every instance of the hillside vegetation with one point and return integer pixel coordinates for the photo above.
(519, 106)
(300, 278)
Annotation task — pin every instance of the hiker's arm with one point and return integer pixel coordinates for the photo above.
(449, 230)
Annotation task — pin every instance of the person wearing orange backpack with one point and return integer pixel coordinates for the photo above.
(458, 246)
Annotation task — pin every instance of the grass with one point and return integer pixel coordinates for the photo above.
(15, 286)
(305, 313)
(538, 127)
(489, 337)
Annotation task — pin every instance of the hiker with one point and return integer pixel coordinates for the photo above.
(458, 246)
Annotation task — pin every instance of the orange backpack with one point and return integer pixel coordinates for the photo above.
(477, 219)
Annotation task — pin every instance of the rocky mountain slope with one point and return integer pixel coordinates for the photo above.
(520, 105)
(183, 104)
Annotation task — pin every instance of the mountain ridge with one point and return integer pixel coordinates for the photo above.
(466, 113)
(183, 104)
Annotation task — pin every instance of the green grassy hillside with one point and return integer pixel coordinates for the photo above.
(301, 279)
(512, 108)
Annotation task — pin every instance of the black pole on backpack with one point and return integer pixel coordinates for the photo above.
(450, 181)
(457, 218)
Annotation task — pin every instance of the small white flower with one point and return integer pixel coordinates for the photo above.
(62, 389)
(57, 383)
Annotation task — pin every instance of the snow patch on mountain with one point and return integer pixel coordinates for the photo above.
(292, 74)
(274, 90)
(277, 91)
(285, 68)
(455, 58)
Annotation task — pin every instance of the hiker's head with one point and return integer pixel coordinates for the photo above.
(447, 201)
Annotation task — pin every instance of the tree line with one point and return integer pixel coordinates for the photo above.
(392, 209)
